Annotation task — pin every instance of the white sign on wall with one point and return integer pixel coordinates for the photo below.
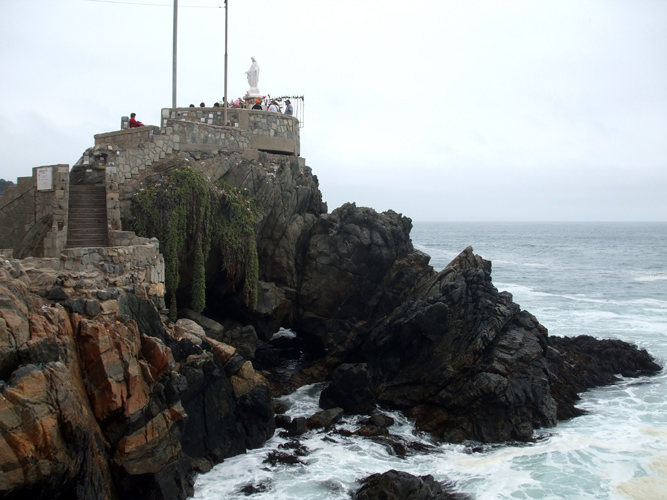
(44, 179)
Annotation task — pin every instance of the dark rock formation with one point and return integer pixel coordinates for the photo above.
(359, 266)
(113, 407)
(463, 360)
(583, 362)
(324, 418)
(350, 389)
(397, 485)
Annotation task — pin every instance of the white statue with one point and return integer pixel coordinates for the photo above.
(253, 78)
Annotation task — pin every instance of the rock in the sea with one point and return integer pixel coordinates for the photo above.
(463, 360)
(350, 389)
(324, 418)
(397, 485)
(583, 362)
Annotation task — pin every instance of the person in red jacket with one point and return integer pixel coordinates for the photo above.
(134, 123)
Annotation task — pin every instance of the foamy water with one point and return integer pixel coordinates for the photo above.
(574, 282)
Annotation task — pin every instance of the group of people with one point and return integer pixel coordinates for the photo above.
(274, 108)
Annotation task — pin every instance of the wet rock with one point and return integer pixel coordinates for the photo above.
(464, 361)
(396, 485)
(350, 389)
(325, 418)
(299, 449)
(283, 421)
(583, 362)
(298, 426)
(371, 430)
(280, 457)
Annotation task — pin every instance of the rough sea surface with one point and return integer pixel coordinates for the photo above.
(607, 280)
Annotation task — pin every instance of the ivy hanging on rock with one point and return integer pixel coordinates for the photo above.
(191, 216)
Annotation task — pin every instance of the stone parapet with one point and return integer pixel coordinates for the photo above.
(127, 139)
(257, 129)
(100, 273)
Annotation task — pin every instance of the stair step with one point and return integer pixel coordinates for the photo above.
(87, 223)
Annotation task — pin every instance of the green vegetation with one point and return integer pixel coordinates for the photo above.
(191, 216)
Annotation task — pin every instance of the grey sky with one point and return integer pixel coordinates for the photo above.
(447, 110)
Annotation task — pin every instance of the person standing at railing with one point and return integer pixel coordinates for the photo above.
(289, 110)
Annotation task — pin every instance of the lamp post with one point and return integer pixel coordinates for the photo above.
(224, 111)
(173, 78)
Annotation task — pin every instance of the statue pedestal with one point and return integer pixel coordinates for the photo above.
(253, 93)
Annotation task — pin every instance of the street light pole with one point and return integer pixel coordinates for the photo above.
(224, 112)
(173, 80)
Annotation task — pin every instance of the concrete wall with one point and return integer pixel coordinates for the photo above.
(33, 214)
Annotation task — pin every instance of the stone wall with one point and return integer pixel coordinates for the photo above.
(273, 132)
(101, 274)
(33, 214)
(129, 138)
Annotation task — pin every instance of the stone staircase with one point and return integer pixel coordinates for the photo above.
(87, 220)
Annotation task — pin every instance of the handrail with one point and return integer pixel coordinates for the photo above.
(31, 188)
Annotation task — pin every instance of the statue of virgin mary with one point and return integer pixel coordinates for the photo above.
(253, 78)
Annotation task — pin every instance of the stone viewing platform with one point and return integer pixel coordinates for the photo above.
(35, 213)
(187, 129)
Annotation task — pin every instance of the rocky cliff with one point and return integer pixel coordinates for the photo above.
(114, 407)
(109, 403)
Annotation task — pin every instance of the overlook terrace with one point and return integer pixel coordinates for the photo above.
(36, 214)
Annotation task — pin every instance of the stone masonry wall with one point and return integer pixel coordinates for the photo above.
(17, 212)
(100, 274)
(32, 217)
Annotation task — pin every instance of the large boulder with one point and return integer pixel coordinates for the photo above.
(350, 389)
(463, 360)
(583, 362)
(398, 485)
(359, 266)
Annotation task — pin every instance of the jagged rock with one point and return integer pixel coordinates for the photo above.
(464, 361)
(212, 329)
(397, 485)
(100, 410)
(350, 389)
(583, 362)
(324, 418)
(359, 266)
(243, 339)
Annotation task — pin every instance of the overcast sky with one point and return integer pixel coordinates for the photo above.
(441, 110)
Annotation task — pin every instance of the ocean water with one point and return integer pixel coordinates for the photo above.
(607, 280)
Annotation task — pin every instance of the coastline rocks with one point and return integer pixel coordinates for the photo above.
(397, 485)
(359, 265)
(113, 407)
(350, 389)
(464, 361)
(583, 362)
